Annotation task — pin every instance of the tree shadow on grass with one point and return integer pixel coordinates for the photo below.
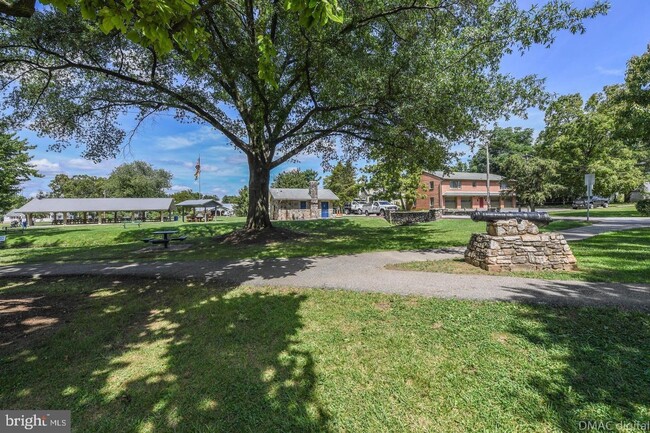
(600, 365)
(160, 355)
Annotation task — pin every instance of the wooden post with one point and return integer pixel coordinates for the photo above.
(162, 213)
(30, 221)
(114, 217)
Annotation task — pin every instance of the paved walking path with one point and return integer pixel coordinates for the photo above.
(367, 273)
(602, 225)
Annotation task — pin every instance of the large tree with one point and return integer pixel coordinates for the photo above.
(78, 186)
(532, 180)
(295, 178)
(580, 137)
(343, 181)
(399, 77)
(502, 143)
(15, 168)
(138, 179)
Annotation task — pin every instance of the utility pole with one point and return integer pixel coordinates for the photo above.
(487, 177)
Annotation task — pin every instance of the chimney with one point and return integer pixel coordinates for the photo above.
(313, 190)
(313, 193)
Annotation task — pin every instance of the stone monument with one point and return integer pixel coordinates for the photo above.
(513, 243)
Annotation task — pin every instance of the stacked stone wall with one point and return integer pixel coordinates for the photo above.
(404, 218)
(519, 246)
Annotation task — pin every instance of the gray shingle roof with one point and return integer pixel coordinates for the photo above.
(461, 175)
(46, 205)
(300, 194)
(199, 203)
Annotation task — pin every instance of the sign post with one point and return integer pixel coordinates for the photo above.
(590, 179)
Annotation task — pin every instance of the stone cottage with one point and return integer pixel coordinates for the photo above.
(301, 203)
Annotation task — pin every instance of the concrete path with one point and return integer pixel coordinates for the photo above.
(367, 273)
(602, 225)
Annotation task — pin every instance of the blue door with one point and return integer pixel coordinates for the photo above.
(324, 209)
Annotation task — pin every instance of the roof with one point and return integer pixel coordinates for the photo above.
(199, 203)
(300, 194)
(96, 205)
(463, 175)
(14, 213)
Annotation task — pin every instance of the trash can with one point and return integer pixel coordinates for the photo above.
(175, 217)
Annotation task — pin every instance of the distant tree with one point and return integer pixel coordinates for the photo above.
(531, 180)
(138, 179)
(186, 194)
(460, 166)
(394, 183)
(503, 142)
(342, 181)
(241, 202)
(77, 186)
(295, 178)
(15, 168)
(229, 199)
(580, 137)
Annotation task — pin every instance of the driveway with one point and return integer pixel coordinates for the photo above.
(602, 225)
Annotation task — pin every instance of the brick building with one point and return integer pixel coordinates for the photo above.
(459, 190)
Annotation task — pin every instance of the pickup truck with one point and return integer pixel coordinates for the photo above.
(356, 207)
(379, 208)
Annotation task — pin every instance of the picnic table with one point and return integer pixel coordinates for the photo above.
(165, 237)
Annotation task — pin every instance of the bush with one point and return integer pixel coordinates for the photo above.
(643, 206)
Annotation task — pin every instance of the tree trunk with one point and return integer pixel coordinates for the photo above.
(258, 217)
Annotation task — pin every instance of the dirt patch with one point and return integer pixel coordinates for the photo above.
(383, 306)
(161, 249)
(27, 316)
(256, 237)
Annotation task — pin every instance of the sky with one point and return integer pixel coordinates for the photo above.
(573, 64)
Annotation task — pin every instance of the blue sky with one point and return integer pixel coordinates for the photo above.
(575, 63)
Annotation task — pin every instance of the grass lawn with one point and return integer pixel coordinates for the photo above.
(617, 256)
(158, 356)
(326, 237)
(614, 210)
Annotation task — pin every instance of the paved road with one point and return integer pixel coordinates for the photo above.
(367, 273)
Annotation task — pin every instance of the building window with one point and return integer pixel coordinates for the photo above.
(455, 184)
(432, 202)
(431, 185)
(303, 205)
(503, 185)
(474, 184)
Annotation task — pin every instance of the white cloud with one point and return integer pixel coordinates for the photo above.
(174, 142)
(610, 71)
(84, 164)
(201, 135)
(46, 166)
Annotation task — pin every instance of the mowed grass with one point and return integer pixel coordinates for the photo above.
(324, 237)
(159, 356)
(614, 210)
(610, 257)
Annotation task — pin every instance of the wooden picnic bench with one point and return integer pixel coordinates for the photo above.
(126, 223)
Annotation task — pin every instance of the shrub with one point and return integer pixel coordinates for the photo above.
(643, 206)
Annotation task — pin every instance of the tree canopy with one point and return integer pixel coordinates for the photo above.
(532, 180)
(579, 136)
(78, 186)
(502, 142)
(138, 179)
(342, 181)
(402, 78)
(15, 168)
(296, 178)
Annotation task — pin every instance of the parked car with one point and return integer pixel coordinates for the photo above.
(379, 208)
(594, 202)
(355, 207)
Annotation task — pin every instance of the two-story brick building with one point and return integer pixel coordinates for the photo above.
(460, 190)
